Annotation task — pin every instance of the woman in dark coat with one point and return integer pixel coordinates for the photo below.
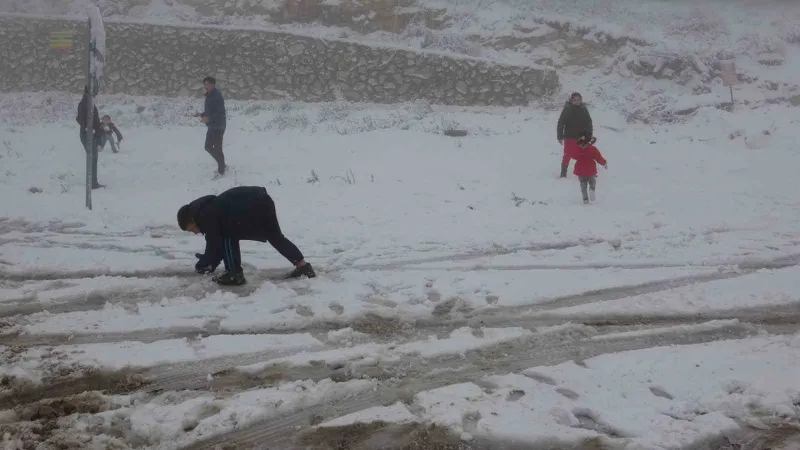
(574, 122)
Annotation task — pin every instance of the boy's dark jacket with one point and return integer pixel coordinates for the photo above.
(241, 213)
(215, 110)
(573, 122)
(111, 128)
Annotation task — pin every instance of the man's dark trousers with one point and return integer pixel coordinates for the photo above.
(231, 254)
(214, 147)
(84, 139)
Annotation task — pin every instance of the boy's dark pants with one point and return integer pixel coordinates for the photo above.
(97, 140)
(587, 182)
(231, 254)
(214, 147)
(108, 138)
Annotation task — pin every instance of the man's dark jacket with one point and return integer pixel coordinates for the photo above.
(82, 113)
(215, 110)
(243, 213)
(574, 121)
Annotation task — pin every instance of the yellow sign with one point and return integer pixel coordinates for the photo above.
(61, 40)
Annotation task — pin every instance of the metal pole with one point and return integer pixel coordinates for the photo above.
(89, 115)
(731, 87)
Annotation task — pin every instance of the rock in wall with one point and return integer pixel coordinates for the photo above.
(146, 59)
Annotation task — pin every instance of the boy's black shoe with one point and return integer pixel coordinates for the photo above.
(230, 279)
(299, 271)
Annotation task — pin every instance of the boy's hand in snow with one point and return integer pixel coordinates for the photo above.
(204, 270)
(202, 267)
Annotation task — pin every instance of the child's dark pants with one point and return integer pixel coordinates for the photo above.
(107, 138)
(587, 182)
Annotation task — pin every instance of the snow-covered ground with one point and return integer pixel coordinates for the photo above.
(462, 284)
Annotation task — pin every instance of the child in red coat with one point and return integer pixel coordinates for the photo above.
(585, 155)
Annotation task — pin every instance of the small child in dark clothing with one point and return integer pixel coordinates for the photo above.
(107, 136)
(586, 155)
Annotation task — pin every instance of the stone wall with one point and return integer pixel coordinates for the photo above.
(160, 60)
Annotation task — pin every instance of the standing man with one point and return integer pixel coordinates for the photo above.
(214, 118)
(81, 118)
(572, 124)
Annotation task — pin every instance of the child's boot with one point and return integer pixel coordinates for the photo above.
(591, 194)
(299, 271)
(230, 278)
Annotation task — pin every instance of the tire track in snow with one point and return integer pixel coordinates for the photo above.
(163, 377)
(497, 315)
(478, 253)
(48, 275)
(528, 315)
(24, 226)
(519, 315)
(413, 366)
(126, 297)
(110, 382)
(122, 296)
(71, 229)
(394, 265)
(44, 243)
(279, 431)
(193, 374)
(190, 285)
(769, 434)
(52, 275)
(775, 315)
(181, 375)
(79, 303)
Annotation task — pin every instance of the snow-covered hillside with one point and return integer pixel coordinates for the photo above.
(654, 61)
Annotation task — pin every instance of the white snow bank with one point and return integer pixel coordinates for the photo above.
(36, 361)
(663, 397)
(763, 288)
(173, 420)
(458, 342)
